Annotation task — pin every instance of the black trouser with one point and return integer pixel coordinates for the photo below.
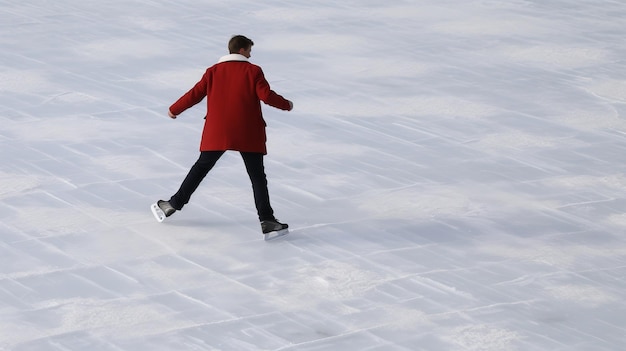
(206, 161)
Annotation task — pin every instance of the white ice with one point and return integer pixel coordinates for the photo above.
(453, 174)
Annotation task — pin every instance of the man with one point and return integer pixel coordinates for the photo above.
(234, 88)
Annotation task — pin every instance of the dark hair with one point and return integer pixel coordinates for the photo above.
(239, 42)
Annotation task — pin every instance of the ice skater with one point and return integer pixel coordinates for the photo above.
(234, 89)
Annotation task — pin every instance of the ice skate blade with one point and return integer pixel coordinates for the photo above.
(157, 212)
(275, 234)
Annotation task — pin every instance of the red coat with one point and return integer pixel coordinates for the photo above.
(234, 88)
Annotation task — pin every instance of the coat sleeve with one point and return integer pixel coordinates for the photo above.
(192, 97)
(267, 95)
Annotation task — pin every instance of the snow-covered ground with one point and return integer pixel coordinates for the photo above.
(453, 173)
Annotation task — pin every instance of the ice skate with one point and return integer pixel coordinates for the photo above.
(162, 209)
(273, 229)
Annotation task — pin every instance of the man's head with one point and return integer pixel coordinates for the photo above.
(240, 45)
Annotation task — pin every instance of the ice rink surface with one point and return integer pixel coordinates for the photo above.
(453, 174)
